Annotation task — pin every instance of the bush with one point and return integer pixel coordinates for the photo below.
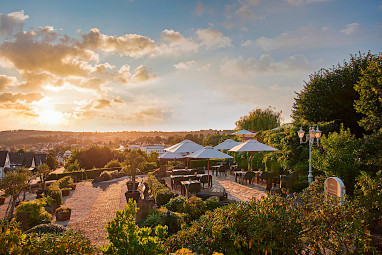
(56, 195)
(127, 238)
(176, 204)
(82, 175)
(113, 163)
(63, 210)
(106, 176)
(47, 229)
(55, 189)
(10, 236)
(212, 204)
(36, 213)
(45, 201)
(161, 193)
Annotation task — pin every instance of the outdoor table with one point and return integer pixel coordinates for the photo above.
(234, 167)
(257, 175)
(239, 174)
(216, 169)
(186, 184)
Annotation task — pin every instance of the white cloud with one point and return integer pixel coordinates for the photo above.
(245, 13)
(185, 65)
(175, 44)
(11, 22)
(265, 65)
(213, 38)
(351, 28)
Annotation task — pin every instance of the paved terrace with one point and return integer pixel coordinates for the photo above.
(93, 205)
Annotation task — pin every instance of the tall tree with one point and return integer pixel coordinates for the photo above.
(329, 95)
(260, 120)
(43, 171)
(369, 88)
(51, 161)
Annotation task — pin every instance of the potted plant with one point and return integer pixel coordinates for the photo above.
(63, 213)
(132, 165)
(73, 186)
(66, 191)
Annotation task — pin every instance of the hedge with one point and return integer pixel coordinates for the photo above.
(162, 194)
(82, 175)
(55, 189)
(203, 163)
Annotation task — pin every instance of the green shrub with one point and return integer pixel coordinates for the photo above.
(82, 175)
(63, 210)
(176, 204)
(47, 229)
(56, 195)
(149, 166)
(161, 193)
(212, 204)
(127, 238)
(106, 176)
(45, 200)
(36, 213)
(10, 236)
(113, 163)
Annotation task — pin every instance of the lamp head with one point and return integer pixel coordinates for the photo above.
(301, 133)
(318, 133)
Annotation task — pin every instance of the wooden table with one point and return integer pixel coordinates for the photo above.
(239, 174)
(216, 169)
(186, 185)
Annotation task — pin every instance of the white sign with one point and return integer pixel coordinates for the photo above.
(335, 187)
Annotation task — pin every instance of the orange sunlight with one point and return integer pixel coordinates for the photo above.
(51, 117)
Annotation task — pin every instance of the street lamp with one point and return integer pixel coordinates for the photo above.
(313, 136)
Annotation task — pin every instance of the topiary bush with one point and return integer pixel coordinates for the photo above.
(47, 229)
(162, 194)
(31, 214)
(106, 175)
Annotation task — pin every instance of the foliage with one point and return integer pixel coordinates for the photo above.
(370, 153)
(213, 140)
(80, 175)
(45, 200)
(55, 189)
(329, 226)
(72, 166)
(51, 161)
(259, 120)
(13, 183)
(113, 163)
(369, 88)
(88, 158)
(127, 238)
(35, 211)
(62, 210)
(163, 217)
(106, 175)
(161, 193)
(368, 192)
(134, 163)
(338, 157)
(268, 226)
(43, 171)
(47, 229)
(10, 236)
(330, 95)
(212, 204)
(56, 195)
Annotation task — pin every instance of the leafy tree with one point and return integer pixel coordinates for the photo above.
(153, 157)
(13, 183)
(338, 157)
(369, 88)
(113, 163)
(72, 166)
(330, 95)
(94, 156)
(51, 161)
(127, 238)
(370, 153)
(42, 172)
(259, 120)
(134, 163)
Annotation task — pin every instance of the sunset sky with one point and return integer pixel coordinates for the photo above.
(169, 65)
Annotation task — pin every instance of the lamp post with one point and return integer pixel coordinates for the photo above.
(313, 136)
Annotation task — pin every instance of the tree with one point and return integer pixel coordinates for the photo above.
(51, 161)
(259, 120)
(369, 88)
(113, 163)
(134, 163)
(43, 171)
(13, 183)
(127, 238)
(339, 157)
(330, 95)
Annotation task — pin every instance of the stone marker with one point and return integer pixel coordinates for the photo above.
(334, 186)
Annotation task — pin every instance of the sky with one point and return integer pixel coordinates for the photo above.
(169, 65)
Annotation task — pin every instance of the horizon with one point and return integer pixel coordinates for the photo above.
(132, 65)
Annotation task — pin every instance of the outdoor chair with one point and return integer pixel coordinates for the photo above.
(177, 181)
(223, 169)
(249, 176)
(194, 178)
(194, 188)
(204, 179)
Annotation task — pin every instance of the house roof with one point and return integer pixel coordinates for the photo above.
(3, 157)
(21, 158)
(40, 157)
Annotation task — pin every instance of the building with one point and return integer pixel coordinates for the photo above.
(156, 148)
(4, 163)
(40, 158)
(22, 159)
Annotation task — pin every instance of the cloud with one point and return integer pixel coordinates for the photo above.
(265, 65)
(20, 97)
(185, 65)
(213, 38)
(199, 9)
(11, 22)
(204, 68)
(301, 2)
(351, 28)
(7, 81)
(141, 74)
(245, 13)
(132, 45)
(175, 44)
(305, 38)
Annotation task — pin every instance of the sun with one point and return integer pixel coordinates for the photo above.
(51, 117)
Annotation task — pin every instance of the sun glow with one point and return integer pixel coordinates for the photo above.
(51, 117)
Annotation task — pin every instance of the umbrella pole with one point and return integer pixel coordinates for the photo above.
(208, 172)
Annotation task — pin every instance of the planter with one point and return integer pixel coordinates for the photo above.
(136, 195)
(131, 184)
(50, 209)
(2, 200)
(63, 216)
(74, 187)
(65, 192)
